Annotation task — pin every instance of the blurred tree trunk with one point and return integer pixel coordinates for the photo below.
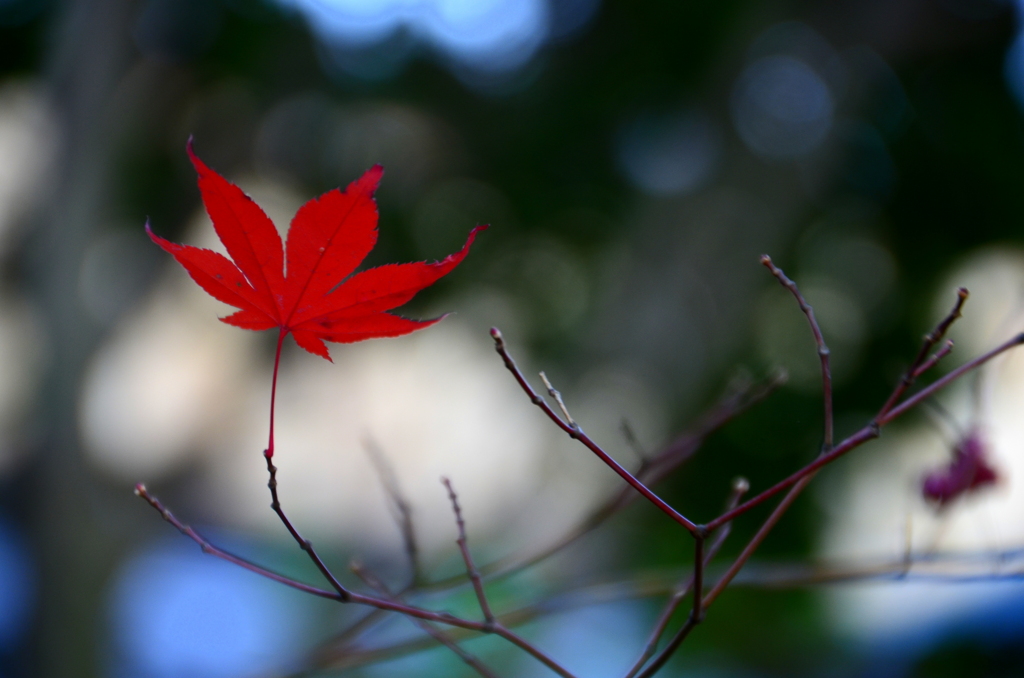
(91, 51)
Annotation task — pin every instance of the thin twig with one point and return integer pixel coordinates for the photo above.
(802, 478)
(659, 466)
(934, 359)
(697, 613)
(737, 400)
(682, 448)
(305, 544)
(207, 547)
(888, 412)
(357, 598)
(437, 634)
(474, 574)
(941, 383)
(972, 566)
(945, 567)
(850, 443)
(695, 616)
(574, 431)
(402, 513)
(826, 387)
(558, 399)
(349, 597)
(739, 487)
(930, 339)
(868, 432)
(634, 444)
(758, 537)
(670, 648)
(400, 508)
(819, 340)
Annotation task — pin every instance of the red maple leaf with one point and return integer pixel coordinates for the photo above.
(305, 290)
(308, 289)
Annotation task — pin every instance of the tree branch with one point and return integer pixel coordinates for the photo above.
(574, 431)
(400, 509)
(207, 547)
(973, 566)
(868, 432)
(349, 597)
(670, 648)
(921, 362)
(819, 340)
(739, 487)
(658, 467)
(467, 558)
(305, 544)
(437, 634)
(739, 398)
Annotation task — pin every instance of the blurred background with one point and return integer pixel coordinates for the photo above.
(634, 159)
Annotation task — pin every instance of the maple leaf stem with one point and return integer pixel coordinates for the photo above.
(304, 544)
(273, 389)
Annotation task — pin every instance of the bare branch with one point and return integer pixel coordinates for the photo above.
(353, 597)
(940, 384)
(934, 359)
(799, 480)
(634, 444)
(435, 633)
(950, 567)
(659, 466)
(759, 537)
(670, 648)
(868, 432)
(819, 340)
(474, 574)
(305, 544)
(399, 506)
(739, 398)
(697, 613)
(740, 486)
(917, 367)
(577, 433)
(207, 547)
(558, 399)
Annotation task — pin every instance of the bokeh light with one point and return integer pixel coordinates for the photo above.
(28, 138)
(598, 641)
(18, 580)
(663, 155)
(176, 613)
(781, 107)
(486, 35)
(1013, 65)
